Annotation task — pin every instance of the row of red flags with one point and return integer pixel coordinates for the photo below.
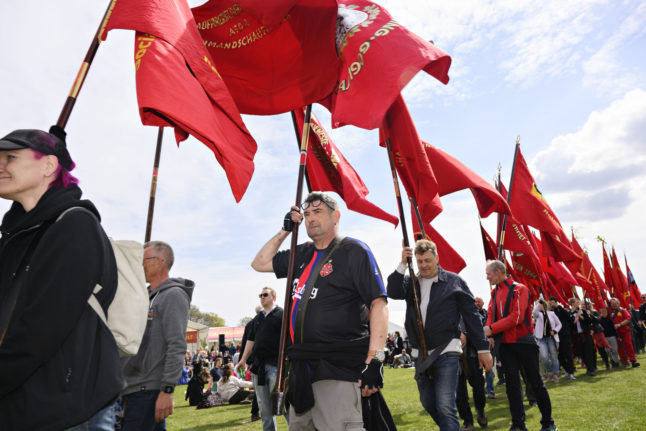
(552, 264)
(198, 69)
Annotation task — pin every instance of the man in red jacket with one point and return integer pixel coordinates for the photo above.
(621, 319)
(509, 320)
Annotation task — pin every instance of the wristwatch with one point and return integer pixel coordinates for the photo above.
(168, 389)
(379, 354)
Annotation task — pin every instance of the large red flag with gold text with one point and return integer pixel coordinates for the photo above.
(169, 95)
(328, 170)
(453, 175)
(272, 69)
(526, 201)
(410, 159)
(379, 57)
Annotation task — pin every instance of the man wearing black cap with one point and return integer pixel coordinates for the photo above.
(59, 361)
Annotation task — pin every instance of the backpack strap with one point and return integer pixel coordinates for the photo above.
(299, 324)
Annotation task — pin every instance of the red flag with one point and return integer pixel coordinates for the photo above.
(490, 247)
(635, 293)
(608, 273)
(448, 257)
(526, 201)
(621, 285)
(559, 247)
(268, 15)
(277, 69)
(588, 276)
(379, 58)
(328, 170)
(516, 236)
(452, 176)
(410, 159)
(169, 95)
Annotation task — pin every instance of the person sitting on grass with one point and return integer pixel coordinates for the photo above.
(231, 388)
(195, 389)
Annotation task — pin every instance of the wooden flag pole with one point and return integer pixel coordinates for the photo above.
(153, 185)
(85, 66)
(411, 272)
(418, 216)
(278, 406)
(501, 239)
(298, 142)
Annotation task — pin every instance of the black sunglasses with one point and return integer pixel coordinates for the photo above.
(263, 295)
(315, 204)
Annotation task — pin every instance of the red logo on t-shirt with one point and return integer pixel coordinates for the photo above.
(326, 269)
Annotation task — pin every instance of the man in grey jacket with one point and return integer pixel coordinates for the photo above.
(151, 375)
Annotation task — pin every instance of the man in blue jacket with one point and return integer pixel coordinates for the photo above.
(445, 300)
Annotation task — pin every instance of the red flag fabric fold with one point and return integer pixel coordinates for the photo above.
(490, 246)
(559, 247)
(410, 159)
(635, 293)
(169, 95)
(270, 70)
(453, 175)
(526, 201)
(449, 258)
(328, 170)
(608, 273)
(621, 286)
(589, 278)
(379, 57)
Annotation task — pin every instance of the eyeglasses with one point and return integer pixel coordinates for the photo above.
(315, 204)
(263, 295)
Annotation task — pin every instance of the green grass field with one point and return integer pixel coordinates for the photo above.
(613, 400)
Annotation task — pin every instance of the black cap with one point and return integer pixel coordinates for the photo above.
(40, 141)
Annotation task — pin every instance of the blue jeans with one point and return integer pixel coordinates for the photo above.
(437, 393)
(548, 354)
(103, 420)
(489, 377)
(263, 395)
(139, 414)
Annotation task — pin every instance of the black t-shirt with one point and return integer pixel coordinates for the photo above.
(265, 333)
(346, 286)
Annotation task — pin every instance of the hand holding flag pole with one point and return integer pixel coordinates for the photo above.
(278, 400)
(411, 272)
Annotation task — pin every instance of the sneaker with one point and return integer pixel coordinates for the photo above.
(500, 383)
(571, 377)
(533, 404)
(635, 364)
(468, 428)
(590, 373)
(482, 418)
(550, 428)
(255, 418)
(555, 378)
(627, 365)
(491, 395)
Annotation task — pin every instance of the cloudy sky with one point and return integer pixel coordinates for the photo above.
(565, 76)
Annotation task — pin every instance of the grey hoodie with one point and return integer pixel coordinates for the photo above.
(161, 354)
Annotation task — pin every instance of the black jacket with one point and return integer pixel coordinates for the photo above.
(565, 316)
(59, 363)
(450, 299)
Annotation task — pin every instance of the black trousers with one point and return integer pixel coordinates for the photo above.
(566, 358)
(515, 356)
(585, 350)
(477, 381)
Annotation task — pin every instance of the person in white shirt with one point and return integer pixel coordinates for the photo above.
(546, 332)
(231, 388)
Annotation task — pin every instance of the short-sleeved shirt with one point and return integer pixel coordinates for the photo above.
(346, 286)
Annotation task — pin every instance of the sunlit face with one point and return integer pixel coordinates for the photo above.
(21, 174)
(614, 304)
(427, 264)
(553, 304)
(494, 276)
(320, 221)
(266, 298)
(153, 262)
